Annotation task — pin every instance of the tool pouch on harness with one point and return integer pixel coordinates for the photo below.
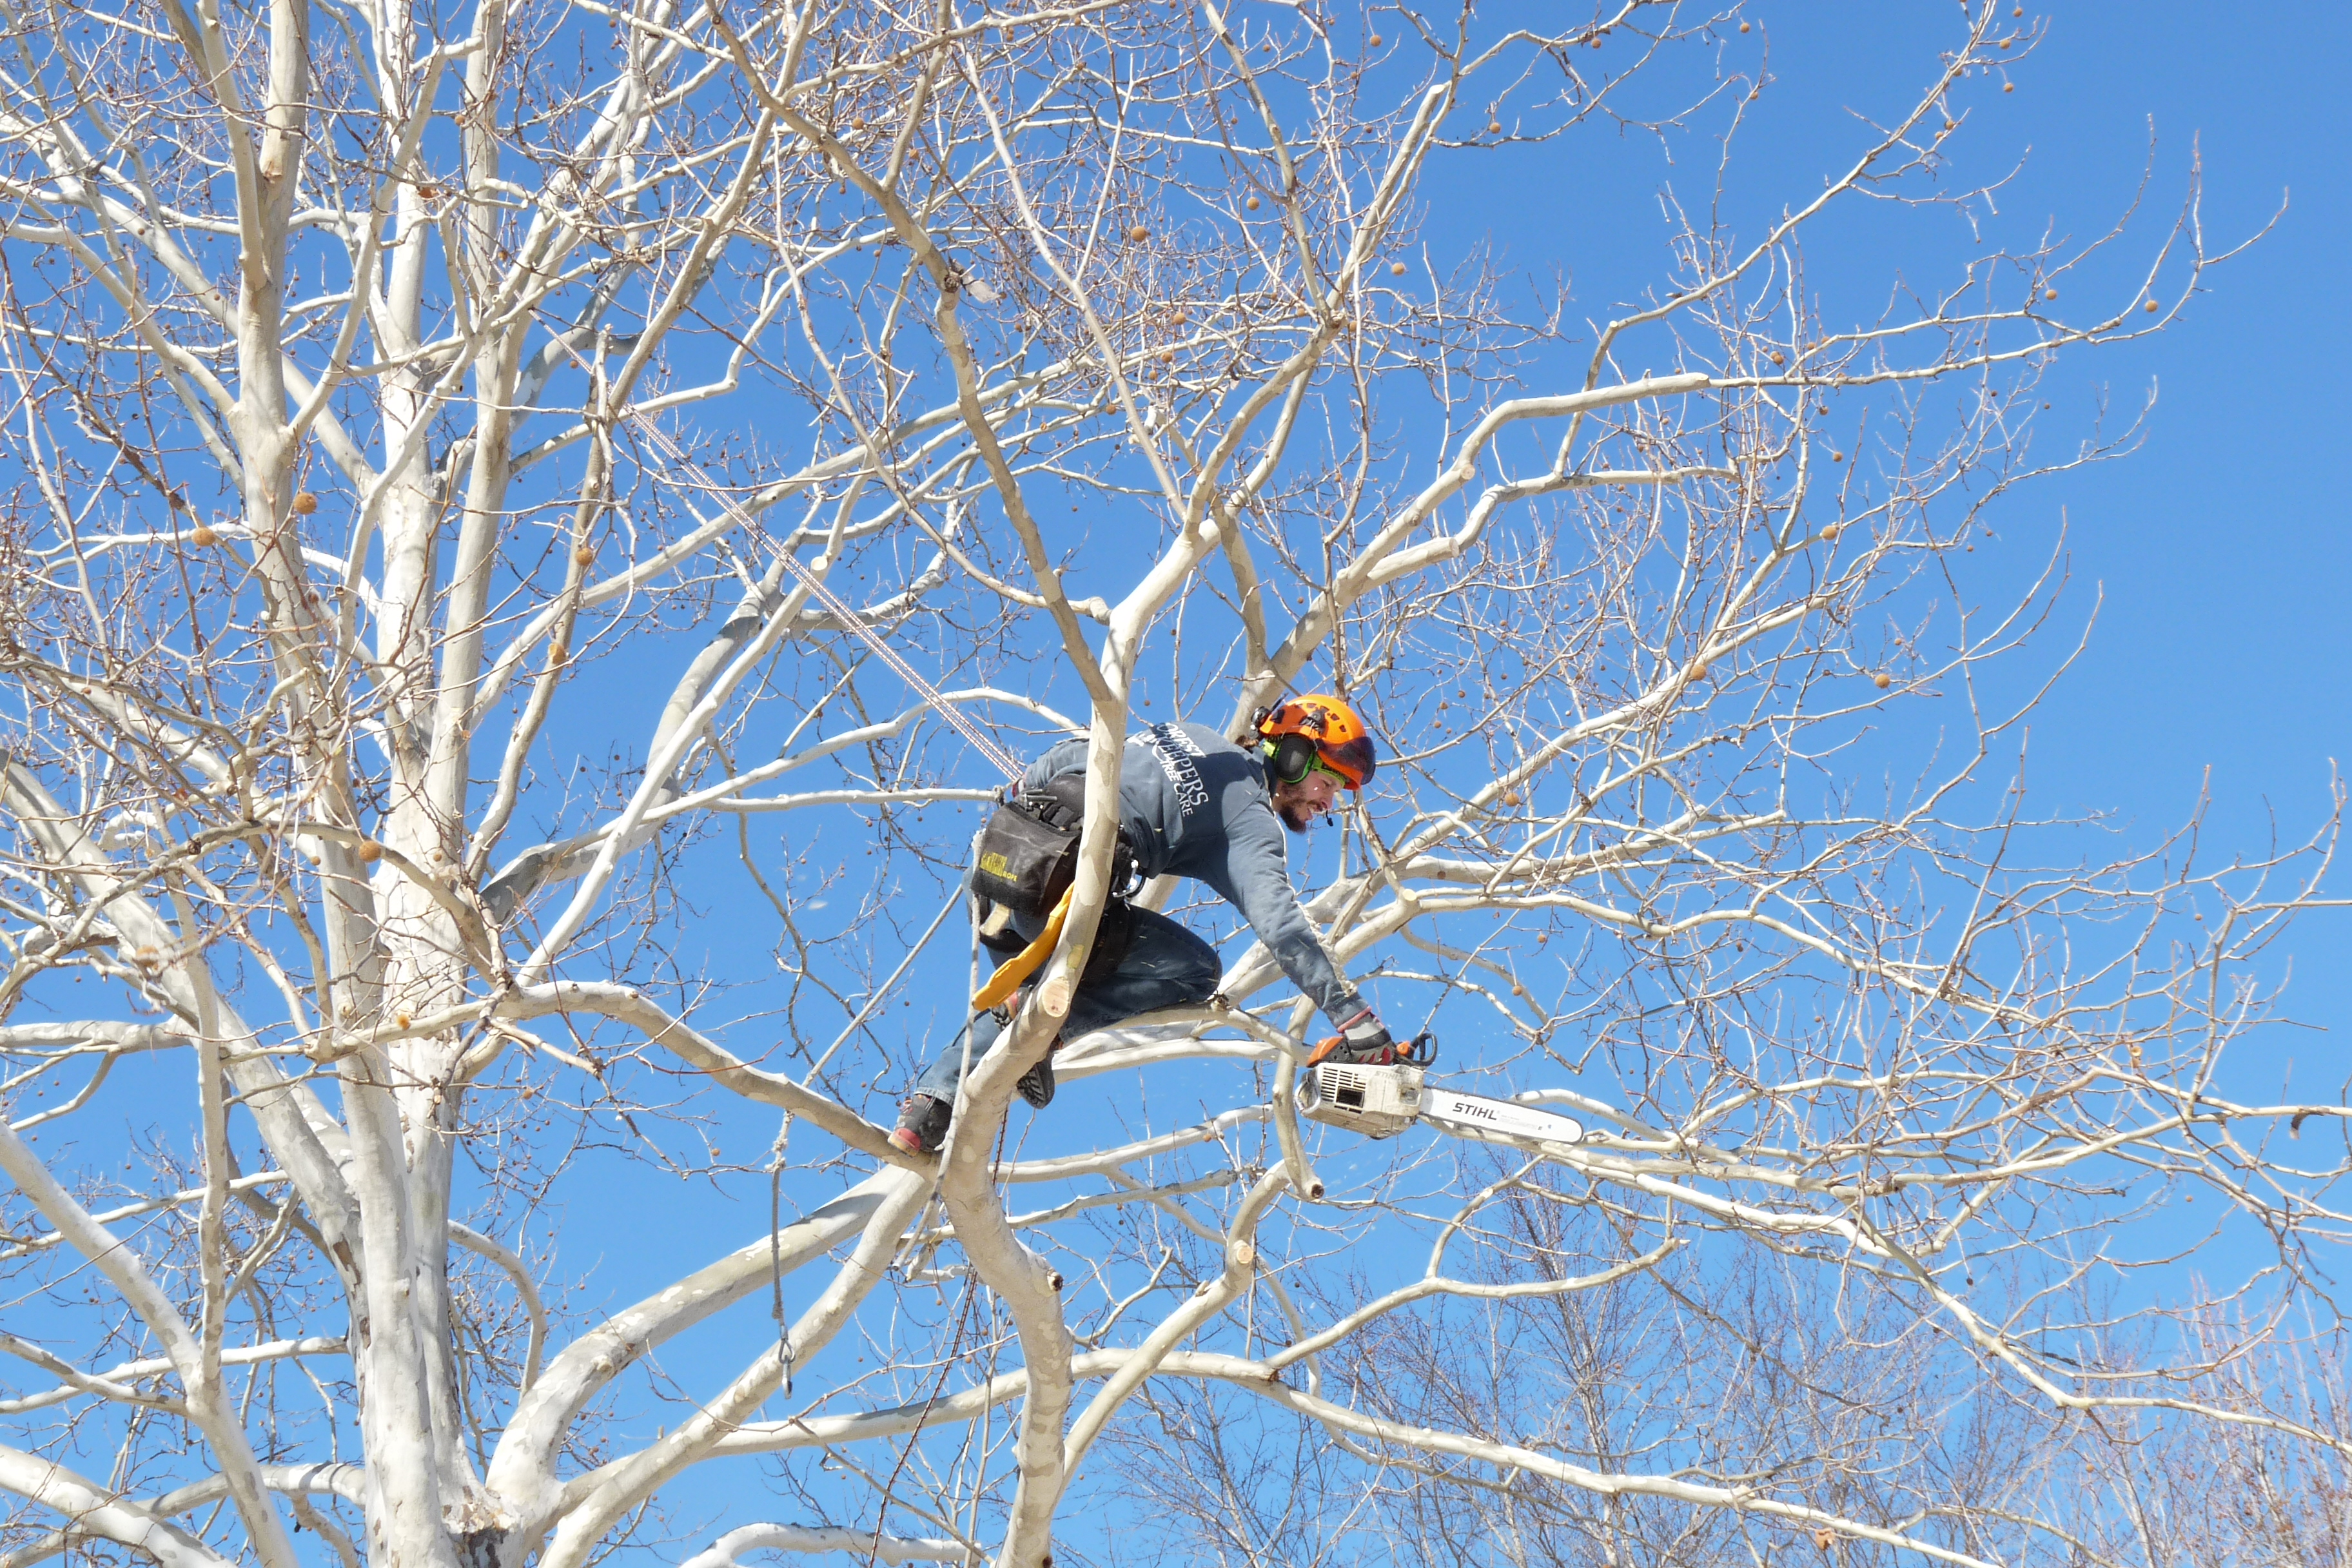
(1028, 859)
(1029, 854)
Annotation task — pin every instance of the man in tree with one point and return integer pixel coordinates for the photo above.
(1191, 803)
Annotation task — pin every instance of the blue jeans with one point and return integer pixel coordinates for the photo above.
(1165, 966)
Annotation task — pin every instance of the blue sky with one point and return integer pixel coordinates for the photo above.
(2220, 546)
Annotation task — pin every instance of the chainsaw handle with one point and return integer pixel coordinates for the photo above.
(1418, 1052)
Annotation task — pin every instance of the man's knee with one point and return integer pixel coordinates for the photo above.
(1183, 962)
(1209, 970)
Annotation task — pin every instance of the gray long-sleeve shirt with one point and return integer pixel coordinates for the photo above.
(1194, 804)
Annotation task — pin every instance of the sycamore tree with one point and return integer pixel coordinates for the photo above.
(527, 525)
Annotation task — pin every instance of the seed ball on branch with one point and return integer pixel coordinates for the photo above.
(2151, 307)
(1251, 204)
(1396, 269)
(1510, 797)
(2049, 293)
(1780, 358)
(1881, 680)
(1138, 234)
(305, 503)
(1743, 26)
(585, 554)
(203, 536)
(1374, 40)
(370, 851)
(2009, 87)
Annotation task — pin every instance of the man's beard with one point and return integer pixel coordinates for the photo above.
(1296, 816)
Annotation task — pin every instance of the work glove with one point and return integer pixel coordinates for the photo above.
(1362, 1040)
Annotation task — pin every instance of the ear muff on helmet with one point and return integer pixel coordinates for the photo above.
(1289, 758)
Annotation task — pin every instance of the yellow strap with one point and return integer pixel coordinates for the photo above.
(1022, 964)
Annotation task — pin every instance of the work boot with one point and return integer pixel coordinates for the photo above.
(1036, 1085)
(922, 1124)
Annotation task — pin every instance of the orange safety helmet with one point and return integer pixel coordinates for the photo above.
(1319, 729)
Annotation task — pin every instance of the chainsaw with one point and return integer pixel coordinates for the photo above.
(1380, 1099)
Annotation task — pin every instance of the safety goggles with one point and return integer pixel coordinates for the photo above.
(1352, 763)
